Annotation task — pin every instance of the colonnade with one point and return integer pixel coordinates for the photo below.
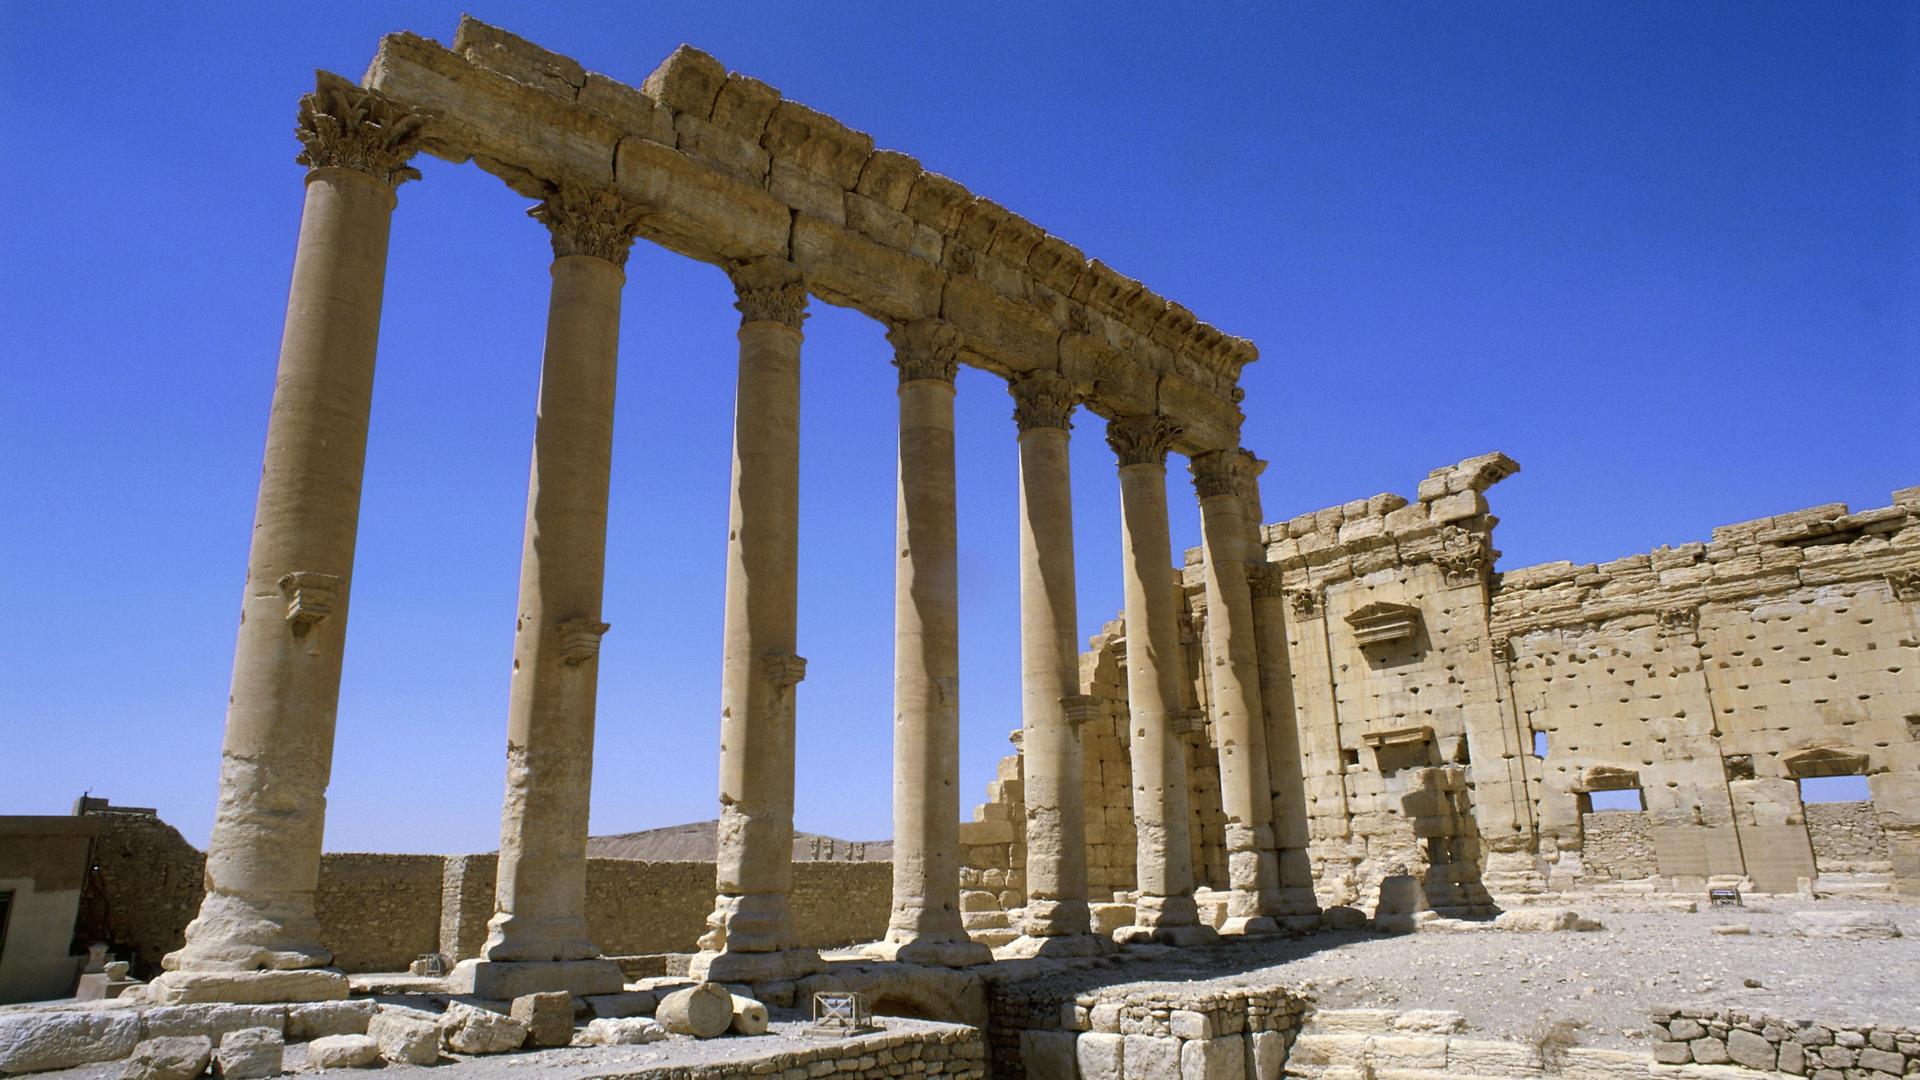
(256, 937)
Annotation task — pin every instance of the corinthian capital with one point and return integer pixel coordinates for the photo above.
(925, 349)
(1265, 580)
(1225, 472)
(345, 127)
(589, 221)
(770, 290)
(1142, 440)
(1042, 399)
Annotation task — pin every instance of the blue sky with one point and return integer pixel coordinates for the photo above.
(1662, 254)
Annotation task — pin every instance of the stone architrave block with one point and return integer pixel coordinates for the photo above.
(250, 1054)
(36, 1042)
(170, 1057)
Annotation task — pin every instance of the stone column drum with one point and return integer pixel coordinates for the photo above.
(1223, 479)
(750, 932)
(1165, 910)
(925, 927)
(538, 940)
(256, 938)
(1298, 908)
(1056, 921)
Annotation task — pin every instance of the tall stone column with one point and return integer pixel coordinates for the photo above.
(256, 938)
(1223, 479)
(1165, 909)
(925, 926)
(750, 932)
(1056, 922)
(538, 938)
(1297, 907)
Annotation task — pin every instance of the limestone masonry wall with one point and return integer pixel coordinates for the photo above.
(1709, 1036)
(1616, 844)
(1846, 836)
(379, 912)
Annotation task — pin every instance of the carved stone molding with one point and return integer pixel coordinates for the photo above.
(1265, 580)
(1905, 583)
(784, 669)
(925, 349)
(1080, 708)
(590, 221)
(1502, 650)
(1462, 558)
(1304, 602)
(1225, 472)
(344, 127)
(310, 597)
(1042, 399)
(770, 290)
(580, 640)
(1142, 440)
(1680, 620)
(1187, 722)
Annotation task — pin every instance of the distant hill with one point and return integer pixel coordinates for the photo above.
(698, 842)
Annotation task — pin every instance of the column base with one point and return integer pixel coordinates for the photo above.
(755, 967)
(1028, 946)
(954, 954)
(1166, 935)
(1248, 926)
(248, 987)
(504, 980)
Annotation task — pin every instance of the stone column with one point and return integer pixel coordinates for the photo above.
(256, 938)
(538, 939)
(750, 932)
(1297, 907)
(925, 927)
(1223, 479)
(1056, 922)
(1165, 909)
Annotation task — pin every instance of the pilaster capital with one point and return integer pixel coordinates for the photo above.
(1142, 440)
(589, 221)
(770, 290)
(925, 349)
(1225, 472)
(1042, 399)
(346, 127)
(1265, 580)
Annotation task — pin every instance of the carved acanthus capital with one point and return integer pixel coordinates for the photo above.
(1142, 440)
(1905, 583)
(580, 640)
(1679, 620)
(1265, 580)
(1042, 399)
(925, 349)
(1225, 472)
(770, 290)
(1305, 602)
(345, 127)
(1463, 557)
(590, 221)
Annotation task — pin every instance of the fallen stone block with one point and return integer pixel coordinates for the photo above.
(213, 1021)
(1844, 924)
(343, 1052)
(702, 1011)
(469, 1029)
(628, 1031)
(322, 1018)
(1544, 919)
(749, 1016)
(170, 1057)
(548, 1016)
(406, 1036)
(250, 1054)
(624, 1004)
(35, 1042)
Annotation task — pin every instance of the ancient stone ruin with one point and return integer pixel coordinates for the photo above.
(1304, 735)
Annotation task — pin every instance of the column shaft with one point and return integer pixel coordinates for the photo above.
(925, 925)
(1165, 909)
(1232, 656)
(750, 933)
(1285, 763)
(263, 859)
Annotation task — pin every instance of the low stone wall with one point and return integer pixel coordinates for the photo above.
(1195, 1033)
(1846, 836)
(1703, 1036)
(379, 912)
(1617, 844)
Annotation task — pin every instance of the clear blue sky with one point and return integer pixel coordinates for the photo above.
(1662, 254)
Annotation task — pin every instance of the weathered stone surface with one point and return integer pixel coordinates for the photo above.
(749, 1016)
(622, 1032)
(320, 1019)
(406, 1036)
(1750, 1050)
(1146, 1057)
(624, 1004)
(213, 1021)
(1100, 1055)
(548, 1017)
(343, 1052)
(250, 1054)
(1213, 1059)
(1845, 924)
(469, 1029)
(703, 1011)
(36, 1042)
(1539, 919)
(171, 1057)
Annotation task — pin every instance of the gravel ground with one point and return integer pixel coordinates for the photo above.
(1509, 983)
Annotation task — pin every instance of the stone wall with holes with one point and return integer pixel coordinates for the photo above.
(1615, 846)
(1713, 676)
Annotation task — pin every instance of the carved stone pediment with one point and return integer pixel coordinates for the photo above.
(1824, 762)
(1381, 622)
(1406, 736)
(1607, 778)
